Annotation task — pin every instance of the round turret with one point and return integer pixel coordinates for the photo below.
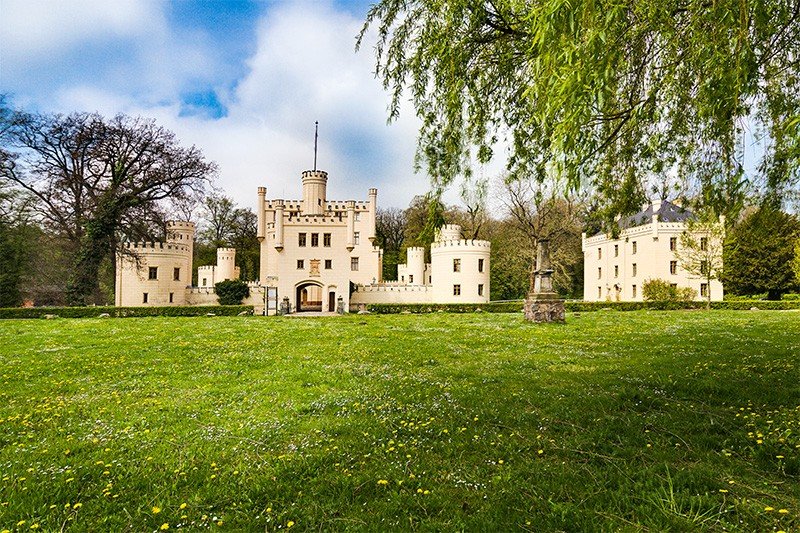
(314, 191)
(415, 263)
(226, 264)
(449, 232)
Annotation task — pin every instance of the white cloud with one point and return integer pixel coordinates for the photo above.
(30, 28)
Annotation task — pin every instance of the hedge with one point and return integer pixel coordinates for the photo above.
(578, 306)
(95, 312)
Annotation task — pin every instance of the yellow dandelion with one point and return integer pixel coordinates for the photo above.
(77, 505)
(219, 522)
(383, 482)
(21, 523)
(783, 511)
(289, 524)
(164, 526)
(723, 490)
(768, 508)
(540, 452)
(156, 510)
(183, 506)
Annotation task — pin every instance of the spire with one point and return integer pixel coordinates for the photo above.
(316, 136)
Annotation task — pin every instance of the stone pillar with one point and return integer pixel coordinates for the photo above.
(544, 304)
(340, 305)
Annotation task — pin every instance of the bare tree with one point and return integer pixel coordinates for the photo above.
(700, 252)
(539, 212)
(95, 178)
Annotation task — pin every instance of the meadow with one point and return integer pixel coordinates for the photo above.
(649, 420)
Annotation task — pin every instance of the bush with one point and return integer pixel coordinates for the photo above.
(231, 291)
(95, 312)
(659, 290)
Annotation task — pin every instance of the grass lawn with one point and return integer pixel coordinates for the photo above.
(478, 422)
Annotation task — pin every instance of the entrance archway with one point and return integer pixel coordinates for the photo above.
(308, 297)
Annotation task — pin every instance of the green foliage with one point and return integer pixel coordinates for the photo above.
(231, 291)
(610, 91)
(759, 252)
(659, 290)
(121, 312)
(398, 423)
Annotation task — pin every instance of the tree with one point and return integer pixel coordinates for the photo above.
(700, 251)
(231, 291)
(604, 93)
(659, 290)
(759, 251)
(538, 212)
(224, 224)
(96, 180)
(390, 227)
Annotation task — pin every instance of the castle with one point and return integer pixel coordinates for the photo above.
(615, 269)
(315, 255)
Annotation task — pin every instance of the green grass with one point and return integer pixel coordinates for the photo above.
(480, 422)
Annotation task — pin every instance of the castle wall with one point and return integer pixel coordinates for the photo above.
(138, 284)
(616, 269)
(468, 282)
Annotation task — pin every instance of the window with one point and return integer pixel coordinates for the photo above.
(673, 244)
(301, 239)
(704, 289)
(633, 291)
(456, 290)
(429, 280)
(315, 239)
(599, 253)
(704, 244)
(205, 282)
(300, 264)
(144, 297)
(354, 263)
(356, 237)
(480, 265)
(633, 246)
(704, 268)
(480, 289)
(152, 273)
(176, 274)
(171, 295)
(599, 292)
(326, 239)
(616, 271)
(402, 278)
(456, 265)
(328, 264)
(673, 267)
(411, 278)
(358, 216)
(633, 270)
(616, 250)
(599, 272)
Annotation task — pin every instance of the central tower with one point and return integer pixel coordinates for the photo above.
(315, 183)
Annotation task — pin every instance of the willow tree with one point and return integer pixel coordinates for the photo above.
(598, 93)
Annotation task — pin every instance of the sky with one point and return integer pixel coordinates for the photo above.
(242, 80)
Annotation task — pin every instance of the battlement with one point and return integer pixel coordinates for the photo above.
(331, 206)
(393, 287)
(226, 250)
(314, 174)
(180, 224)
(461, 243)
(157, 247)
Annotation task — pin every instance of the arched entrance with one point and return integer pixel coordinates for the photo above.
(308, 297)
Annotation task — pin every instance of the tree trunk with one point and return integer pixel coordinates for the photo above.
(774, 294)
(83, 283)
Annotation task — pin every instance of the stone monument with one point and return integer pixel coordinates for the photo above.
(544, 304)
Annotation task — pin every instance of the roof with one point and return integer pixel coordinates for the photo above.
(666, 211)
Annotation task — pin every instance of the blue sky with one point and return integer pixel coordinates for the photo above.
(242, 80)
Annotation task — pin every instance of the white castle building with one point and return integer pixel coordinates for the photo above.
(320, 254)
(615, 269)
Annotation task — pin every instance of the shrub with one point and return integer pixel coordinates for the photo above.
(95, 312)
(659, 290)
(231, 291)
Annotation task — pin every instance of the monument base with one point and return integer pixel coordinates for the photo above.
(544, 307)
